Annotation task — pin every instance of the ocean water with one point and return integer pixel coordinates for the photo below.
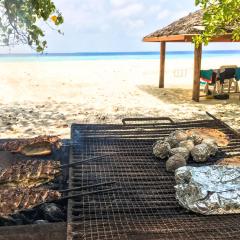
(114, 56)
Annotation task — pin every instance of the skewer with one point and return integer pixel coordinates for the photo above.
(83, 161)
(86, 187)
(74, 196)
(87, 194)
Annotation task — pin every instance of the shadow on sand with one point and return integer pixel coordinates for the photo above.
(181, 96)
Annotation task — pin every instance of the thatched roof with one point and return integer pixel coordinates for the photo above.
(191, 24)
(185, 28)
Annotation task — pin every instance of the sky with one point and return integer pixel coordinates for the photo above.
(115, 26)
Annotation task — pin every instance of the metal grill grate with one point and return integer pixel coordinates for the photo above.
(139, 203)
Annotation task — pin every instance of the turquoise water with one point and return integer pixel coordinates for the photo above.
(113, 56)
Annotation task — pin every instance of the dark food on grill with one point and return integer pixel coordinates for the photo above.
(200, 144)
(212, 144)
(196, 139)
(175, 138)
(175, 162)
(188, 144)
(181, 151)
(201, 152)
(38, 146)
(179, 135)
(161, 149)
(29, 173)
(13, 200)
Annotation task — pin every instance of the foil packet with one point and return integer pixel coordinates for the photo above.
(209, 190)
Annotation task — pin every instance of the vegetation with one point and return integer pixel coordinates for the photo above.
(21, 21)
(220, 17)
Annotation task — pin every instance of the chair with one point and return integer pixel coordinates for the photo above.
(227, 77)
(209, 77)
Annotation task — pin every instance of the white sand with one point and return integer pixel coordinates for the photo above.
(46, 97)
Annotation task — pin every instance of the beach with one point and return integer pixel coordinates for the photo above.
(46, 97)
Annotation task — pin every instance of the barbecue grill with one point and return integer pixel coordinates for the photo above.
(132, 196)
(49, 231)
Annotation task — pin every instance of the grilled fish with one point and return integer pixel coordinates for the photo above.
(13, 200)
(29, 173)
(38, 146)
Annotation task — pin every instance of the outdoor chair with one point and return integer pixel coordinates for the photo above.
(209, 77)
(227, 78)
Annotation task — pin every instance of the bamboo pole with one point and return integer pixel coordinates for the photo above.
(162, 64)
(197, 69)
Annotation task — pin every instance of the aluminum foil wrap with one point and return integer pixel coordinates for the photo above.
(209, 190)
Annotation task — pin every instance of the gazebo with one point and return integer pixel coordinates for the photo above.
(184, 30)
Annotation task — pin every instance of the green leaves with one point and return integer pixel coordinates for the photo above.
(21, 19)
(220, 17)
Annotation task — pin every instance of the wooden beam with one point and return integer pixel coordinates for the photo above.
(197, 69)
(187, 38)
(172, 38)
(224, 38)
(162, 64)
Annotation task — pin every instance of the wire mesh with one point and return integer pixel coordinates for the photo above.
(142, 204)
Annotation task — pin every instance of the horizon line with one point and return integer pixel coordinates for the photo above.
(114, 53)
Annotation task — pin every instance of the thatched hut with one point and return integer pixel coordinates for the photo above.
(184, 30)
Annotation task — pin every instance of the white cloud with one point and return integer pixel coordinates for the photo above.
(152, 9)
(118, 3)
(130, 10)
(163, 14)
(135, 24)
(98, 16)
(84, 15)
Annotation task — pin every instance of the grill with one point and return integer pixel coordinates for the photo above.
(127, 194)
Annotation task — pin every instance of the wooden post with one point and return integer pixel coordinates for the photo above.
(162, 64)
(197, 69)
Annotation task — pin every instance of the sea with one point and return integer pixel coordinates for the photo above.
(83, 56)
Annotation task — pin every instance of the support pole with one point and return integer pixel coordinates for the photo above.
(197, 69)
(162, 64)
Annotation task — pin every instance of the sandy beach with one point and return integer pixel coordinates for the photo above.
(47, 97)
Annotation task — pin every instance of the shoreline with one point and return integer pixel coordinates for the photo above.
(116, 56)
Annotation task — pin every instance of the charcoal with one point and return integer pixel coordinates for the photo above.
(180, 150)
(175, 162)
(21, 218)
(201, 152)
(52, 212)
(28, 215)
(188, 144)
(41, 222)
(8, 221)
(161, 149)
